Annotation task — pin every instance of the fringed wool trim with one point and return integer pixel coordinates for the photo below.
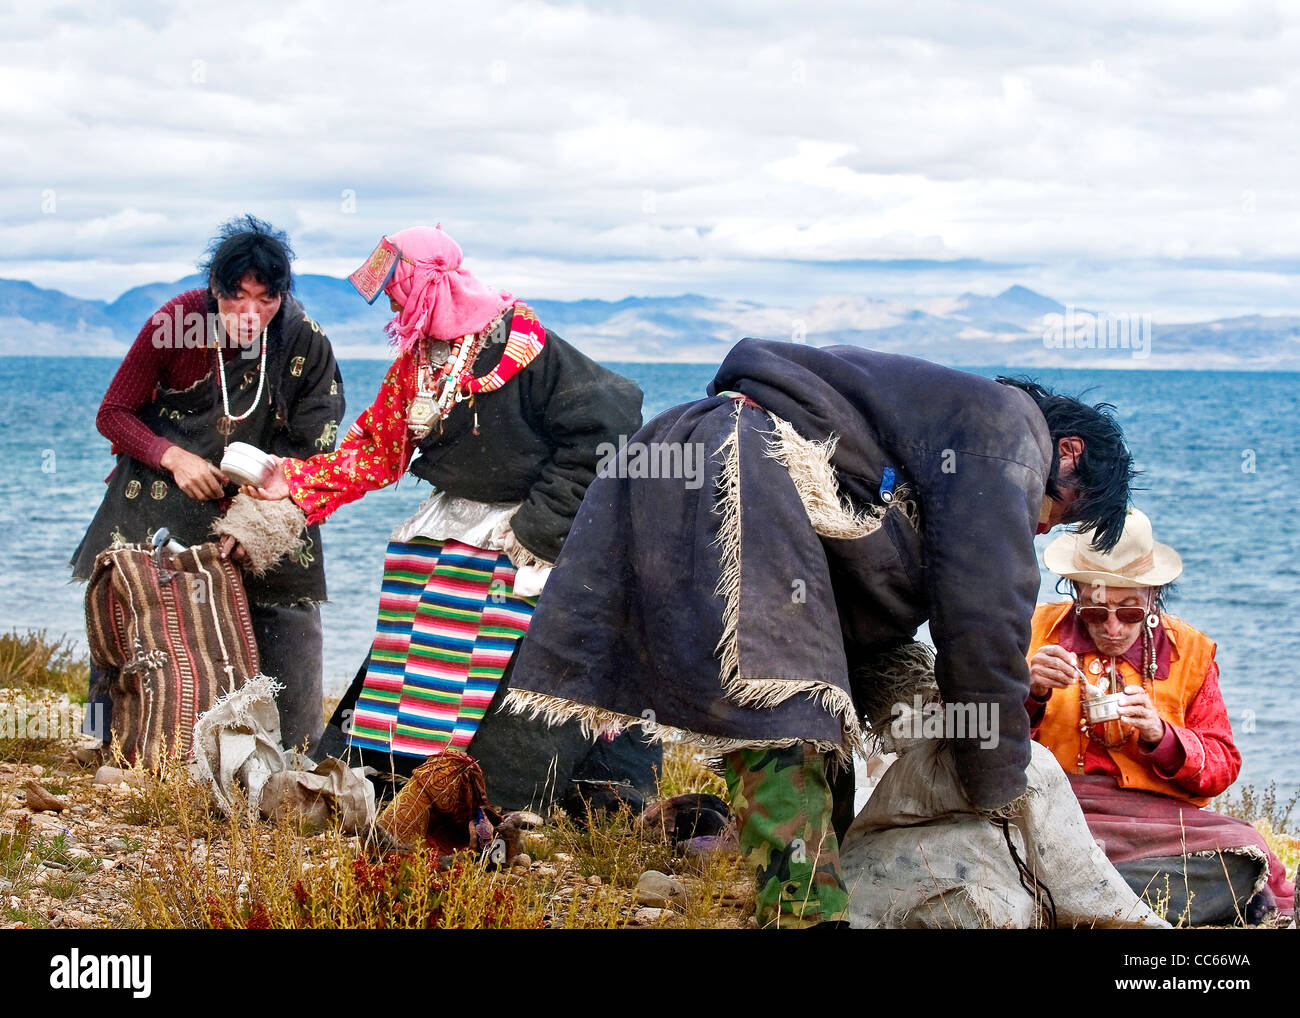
(890, 678)
(729, 542)
(760, 693)
(267, 531)
(597, 721)
(1249, 852)
(520, 556)
(809, 465)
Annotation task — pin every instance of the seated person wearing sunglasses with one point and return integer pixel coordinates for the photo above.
(1127, 699)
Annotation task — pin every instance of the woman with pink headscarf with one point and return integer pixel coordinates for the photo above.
(505, 420)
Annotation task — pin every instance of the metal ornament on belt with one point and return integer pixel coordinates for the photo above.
(422, 414)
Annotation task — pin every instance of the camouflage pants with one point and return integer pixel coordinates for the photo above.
(783, 806)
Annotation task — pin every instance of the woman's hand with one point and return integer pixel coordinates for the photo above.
(1137, 711)
(1052, 668)
(273, 487)
(194, 475)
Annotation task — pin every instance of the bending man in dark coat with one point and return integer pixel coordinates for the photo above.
(760, 606)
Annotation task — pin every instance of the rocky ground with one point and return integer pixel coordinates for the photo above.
(77, 843)
(81, 861)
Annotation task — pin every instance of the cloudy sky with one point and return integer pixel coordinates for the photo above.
(1136, 156)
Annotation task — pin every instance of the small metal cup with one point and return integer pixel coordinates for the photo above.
(1100, 709)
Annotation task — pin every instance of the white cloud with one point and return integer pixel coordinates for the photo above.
(591, 147)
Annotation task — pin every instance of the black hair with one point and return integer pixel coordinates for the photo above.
(1103, 472)
(246, 246)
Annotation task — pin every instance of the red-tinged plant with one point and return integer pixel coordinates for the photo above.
(215, 918)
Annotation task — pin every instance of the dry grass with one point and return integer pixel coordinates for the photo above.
(41, 680)
(687, 771)
(45, 752)
(232, 873)
(1285, 846)
(32, 661)
(210, 871)
(217, 872)
(1159, 899)
(618, 849)
(23, 850)
(201, 869)
(1258, 807)
(173, 800)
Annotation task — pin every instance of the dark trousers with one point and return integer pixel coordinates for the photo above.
(289, 646)
(526, 763)
(289, 649)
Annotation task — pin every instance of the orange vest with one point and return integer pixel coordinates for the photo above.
(1190, 658)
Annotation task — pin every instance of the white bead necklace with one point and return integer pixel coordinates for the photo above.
(227, 423)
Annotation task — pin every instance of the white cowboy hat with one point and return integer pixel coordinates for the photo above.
(1138, 560)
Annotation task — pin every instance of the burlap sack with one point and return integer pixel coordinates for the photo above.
(919, 855)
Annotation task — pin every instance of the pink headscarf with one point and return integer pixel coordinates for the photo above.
(439, 299)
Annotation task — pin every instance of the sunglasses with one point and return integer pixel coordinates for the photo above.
(1097, 614)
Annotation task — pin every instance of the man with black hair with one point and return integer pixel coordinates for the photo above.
(1100, 466)
(236, 361)
(849, 496)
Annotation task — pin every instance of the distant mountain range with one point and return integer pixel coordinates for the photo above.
(1017, 327)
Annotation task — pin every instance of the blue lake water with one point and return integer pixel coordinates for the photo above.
(1217, 451)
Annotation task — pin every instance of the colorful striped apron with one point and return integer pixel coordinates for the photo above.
(448, 623)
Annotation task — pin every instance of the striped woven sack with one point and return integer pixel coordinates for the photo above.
(175, 633)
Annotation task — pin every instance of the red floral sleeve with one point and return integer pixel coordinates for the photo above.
(373, 454)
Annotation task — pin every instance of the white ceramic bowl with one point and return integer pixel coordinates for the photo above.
(245, 464)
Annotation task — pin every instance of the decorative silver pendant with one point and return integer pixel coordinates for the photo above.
(439, 351)
(421, 415)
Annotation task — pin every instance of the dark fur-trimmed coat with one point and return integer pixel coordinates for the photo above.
(726, 612)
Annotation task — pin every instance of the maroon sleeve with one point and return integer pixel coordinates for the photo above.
(1037, 709)
(132, 387)
(1167, 756)
(1211, 760)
